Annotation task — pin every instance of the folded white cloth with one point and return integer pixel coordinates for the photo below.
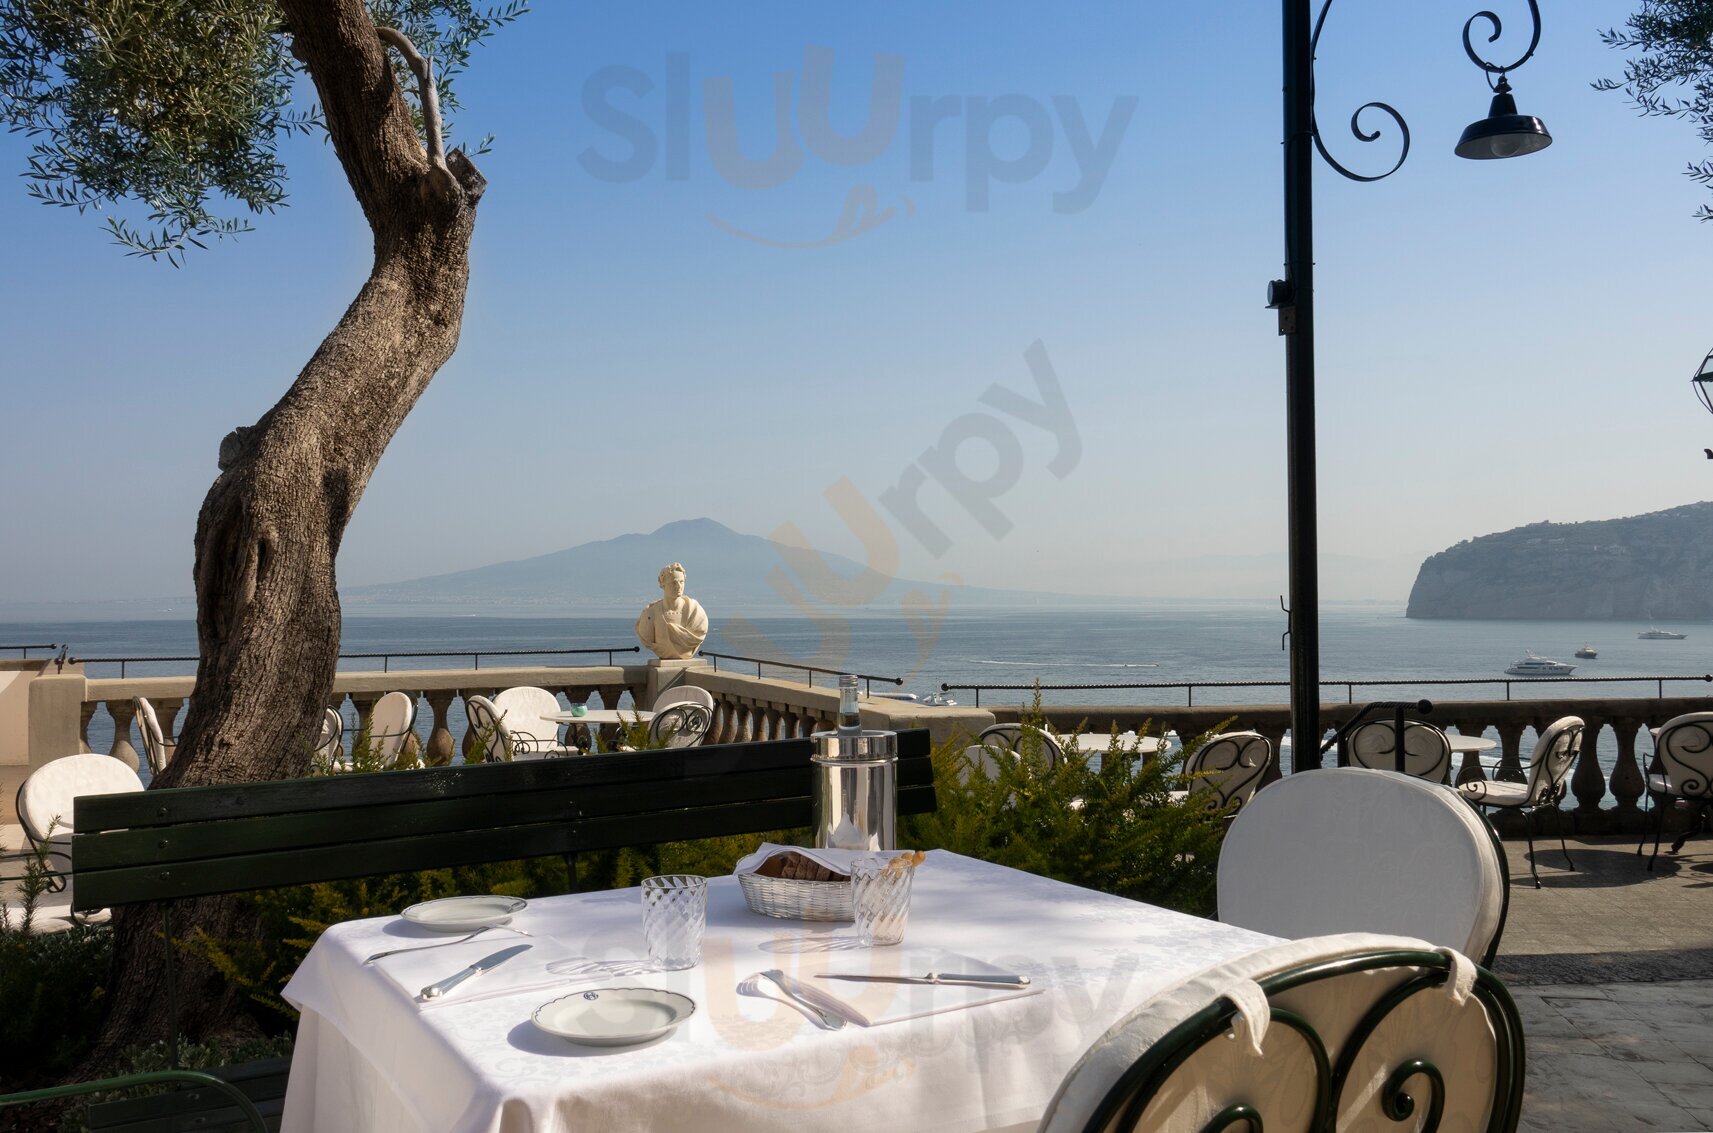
(839, 861)
(872, 1004)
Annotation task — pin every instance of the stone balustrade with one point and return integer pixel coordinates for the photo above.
(1614, 727)
(769, 708)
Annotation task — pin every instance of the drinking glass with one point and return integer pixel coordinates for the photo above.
(880, 898)
(674, 915)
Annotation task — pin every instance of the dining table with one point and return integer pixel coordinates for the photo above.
(371, 1056)
(601, 716)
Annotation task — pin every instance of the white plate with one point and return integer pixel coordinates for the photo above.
(614, 1016)
(463, 914)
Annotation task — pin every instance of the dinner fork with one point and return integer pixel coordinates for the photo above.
(833, 1022)
(445, 943)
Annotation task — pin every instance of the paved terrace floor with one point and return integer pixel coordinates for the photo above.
(1612, 969)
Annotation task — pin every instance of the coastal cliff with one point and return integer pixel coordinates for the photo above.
(1642, 567)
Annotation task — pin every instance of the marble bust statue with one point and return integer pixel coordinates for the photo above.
(675, 626)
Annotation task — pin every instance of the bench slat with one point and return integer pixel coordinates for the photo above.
(263, 1082)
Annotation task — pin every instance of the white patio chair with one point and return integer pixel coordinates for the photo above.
(531, 736)
(491, 731)
(389, 727)
(45, 801)
(155, 747)
(1352, 850)
(1353, 1032)
(1549, 768)
(684, 724)
(1684, 748)
(1014, 739)
(1226, 770)
(327, 753)
(1374, 745)
(685, 694)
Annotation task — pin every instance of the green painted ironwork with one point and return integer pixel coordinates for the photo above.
(1128, 1098)
(151, 1078)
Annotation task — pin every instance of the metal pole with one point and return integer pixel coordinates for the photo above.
(1296, 323)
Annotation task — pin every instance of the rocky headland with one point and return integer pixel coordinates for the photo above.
(1655, 566)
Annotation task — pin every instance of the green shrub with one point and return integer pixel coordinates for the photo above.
(1111, 827)
(52, 994)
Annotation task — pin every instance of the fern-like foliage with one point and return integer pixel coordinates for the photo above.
(175, 109)
(1670, 74)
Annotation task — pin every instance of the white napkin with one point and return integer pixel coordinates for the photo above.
(839, 861)
(875, 1004)
(527, 971)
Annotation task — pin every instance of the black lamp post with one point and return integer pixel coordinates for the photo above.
(1503, 133)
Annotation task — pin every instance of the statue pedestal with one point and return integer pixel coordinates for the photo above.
(664, 674)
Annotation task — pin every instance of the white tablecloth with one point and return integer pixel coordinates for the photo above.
(370, 1059)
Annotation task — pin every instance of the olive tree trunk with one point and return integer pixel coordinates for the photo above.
(267, 603)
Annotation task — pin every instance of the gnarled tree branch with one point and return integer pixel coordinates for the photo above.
(423, 68)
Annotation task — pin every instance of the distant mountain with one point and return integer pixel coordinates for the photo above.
(1641, 567)
(725, 571)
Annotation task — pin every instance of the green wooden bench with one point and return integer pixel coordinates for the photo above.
(166, 845)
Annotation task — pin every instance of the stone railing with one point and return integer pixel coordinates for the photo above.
(767, 708)
(1614, 726)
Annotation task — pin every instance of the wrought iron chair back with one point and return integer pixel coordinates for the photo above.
(1554, 758)
(1685, 752)
(490, 728)
(154, 740)
(1331, 1033)
(1228, 769)
(389, 726)
(680, 725)
(524, 709)
(684, 694)
(1427, 753)
(1017, 740)
(332, 730)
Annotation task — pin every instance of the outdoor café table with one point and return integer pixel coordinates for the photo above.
(369, 1058)
(602, 716)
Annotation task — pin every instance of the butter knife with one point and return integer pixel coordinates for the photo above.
(486, 963)
(991, 979)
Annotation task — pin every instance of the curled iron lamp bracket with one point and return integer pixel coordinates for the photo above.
(1498, 30)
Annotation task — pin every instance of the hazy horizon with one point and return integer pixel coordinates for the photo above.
(1055, 294)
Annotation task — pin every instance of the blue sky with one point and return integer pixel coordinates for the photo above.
(1500, 342)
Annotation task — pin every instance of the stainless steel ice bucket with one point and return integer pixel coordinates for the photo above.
(856, 790)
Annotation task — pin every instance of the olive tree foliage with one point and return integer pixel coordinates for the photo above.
(1670, 73)
(174, 109)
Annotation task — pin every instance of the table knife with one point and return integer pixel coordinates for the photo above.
(991, 979)
(486, 963)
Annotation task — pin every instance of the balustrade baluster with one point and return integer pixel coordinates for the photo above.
(1627, 783)
(1471, 771)
(1511, 753)
(439, 750)
(1588, 782)
(123, 712)
(365, 705)
(86, 713)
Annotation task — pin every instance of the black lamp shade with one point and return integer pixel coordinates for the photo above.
(1703, 380)
(1504, 132)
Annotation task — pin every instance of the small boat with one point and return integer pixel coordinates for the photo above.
(939, 700)
(1587, 652)
(1532, 666)
(1656, 634)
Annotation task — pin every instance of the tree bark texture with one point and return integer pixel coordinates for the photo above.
(268, 535)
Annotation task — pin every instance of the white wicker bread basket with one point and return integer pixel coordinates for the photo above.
(790, 899)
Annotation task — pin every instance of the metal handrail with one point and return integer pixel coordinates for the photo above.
(386, 658)
(1349, 686)
(25, 649)
(867, 678)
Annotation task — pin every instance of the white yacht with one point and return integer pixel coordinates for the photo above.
(1657, 634)
(1532, 666)
(1588, 652)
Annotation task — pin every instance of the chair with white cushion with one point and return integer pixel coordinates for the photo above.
(685, 694)
(327, 742)
(155, 747)
(492, 740)
(1549, 770)
(523, 711)
(389, 727)
(1226, 770)
(684, 724)
(1684, 750)
(1374, 745)
(1353, 1032)
(1015, 739)
(46, 797)
(1351, 850)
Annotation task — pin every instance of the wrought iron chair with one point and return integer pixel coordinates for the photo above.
(45, 801)
(1374, 745)
(1329, 1033)
(155, 747)
(1549, 771)
(1684, 751)
(327, 743)
(523, 711)
(684, 724)
(1352, 850)
(685, 694)
(1225, 772)
(1014, 739)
